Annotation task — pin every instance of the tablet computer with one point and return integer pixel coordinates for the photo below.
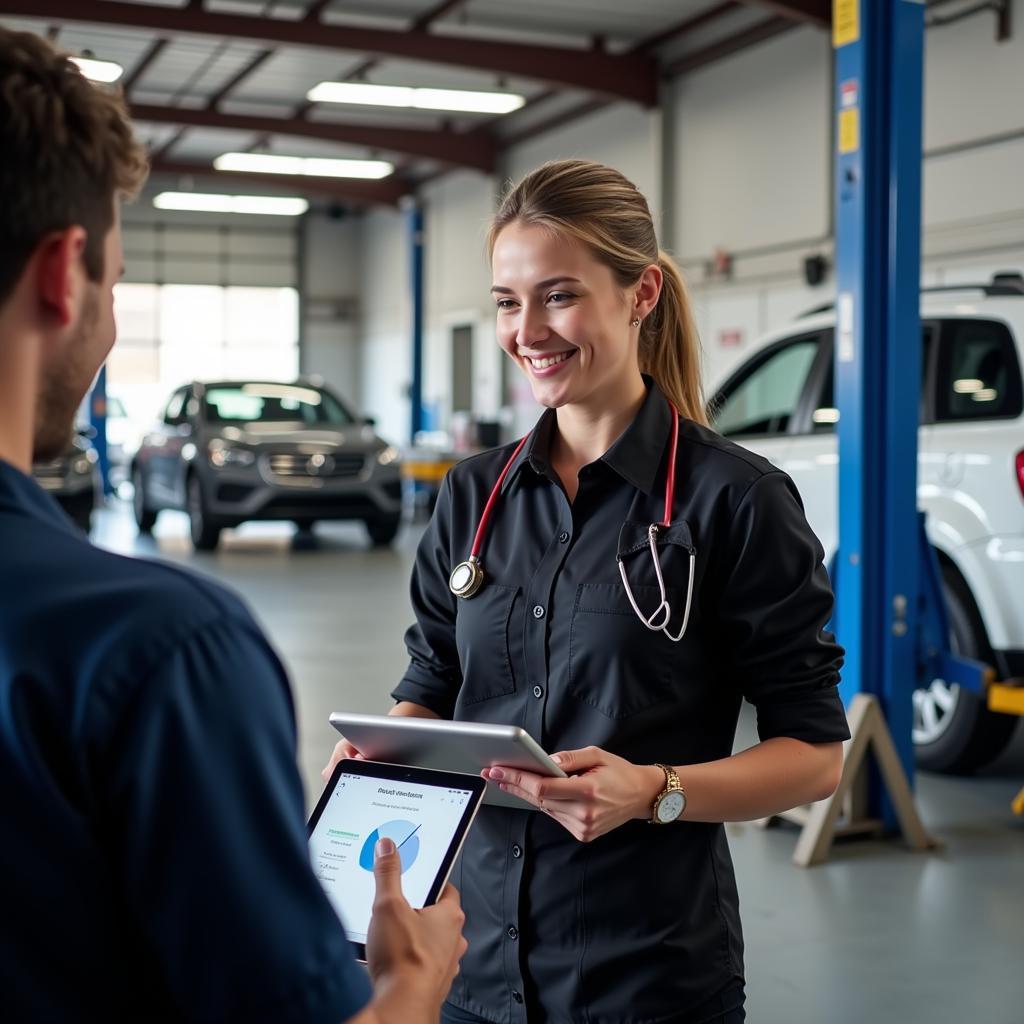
(425, 813)
(448, 746)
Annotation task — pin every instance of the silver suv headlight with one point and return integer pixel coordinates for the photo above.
(387, 455)
(223, 454)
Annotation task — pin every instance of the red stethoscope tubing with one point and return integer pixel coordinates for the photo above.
(485, 516)
(670, 487)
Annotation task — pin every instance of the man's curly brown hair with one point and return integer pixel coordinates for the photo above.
(67, 153)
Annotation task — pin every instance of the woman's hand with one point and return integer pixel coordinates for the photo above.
(603, 792)
(342, 749)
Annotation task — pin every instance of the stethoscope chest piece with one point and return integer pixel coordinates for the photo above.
(466, 578)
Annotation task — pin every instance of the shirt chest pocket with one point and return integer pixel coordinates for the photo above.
(616, 664)
(482, 638)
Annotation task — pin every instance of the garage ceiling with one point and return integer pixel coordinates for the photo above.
(205, 77)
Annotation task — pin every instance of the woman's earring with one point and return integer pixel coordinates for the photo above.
(635, 322)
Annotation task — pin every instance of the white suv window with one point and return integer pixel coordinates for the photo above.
(825, 416)
(978, 373)
(763, 401)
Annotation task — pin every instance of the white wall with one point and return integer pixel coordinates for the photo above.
(331, 343)
(385, 325)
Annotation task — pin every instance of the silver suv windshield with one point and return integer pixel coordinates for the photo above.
(273, 403)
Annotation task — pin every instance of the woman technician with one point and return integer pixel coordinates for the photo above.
(634, 576)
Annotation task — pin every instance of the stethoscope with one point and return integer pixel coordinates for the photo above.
(468, 577)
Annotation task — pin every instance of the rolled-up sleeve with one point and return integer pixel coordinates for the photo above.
(434, 676)
(774, 602)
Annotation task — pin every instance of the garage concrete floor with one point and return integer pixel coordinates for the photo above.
(878, 934)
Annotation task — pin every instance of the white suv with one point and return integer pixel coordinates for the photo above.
(970, 479)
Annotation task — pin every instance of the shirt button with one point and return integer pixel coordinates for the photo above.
(538, 692)
(538, 611)
(517, 851)
(517, 996)
(563, 536)
(512, 933)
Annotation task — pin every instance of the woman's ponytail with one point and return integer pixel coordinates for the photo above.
(670, 349)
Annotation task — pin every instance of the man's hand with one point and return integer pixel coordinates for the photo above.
(606, 791)
(413, 955)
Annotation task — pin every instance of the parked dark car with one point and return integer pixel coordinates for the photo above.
(228, 452)
(73, 479)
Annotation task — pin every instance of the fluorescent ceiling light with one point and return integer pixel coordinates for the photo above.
(211, 202)
(318, 167)
(825, 415)
(105, 71)
(462, 100)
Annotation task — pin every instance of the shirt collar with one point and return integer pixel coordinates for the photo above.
(636, 456)
(21, 494)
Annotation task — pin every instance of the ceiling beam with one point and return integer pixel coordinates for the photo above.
(386, 192)
(449, 147)
(808, 12)
(759, 33)
(240, 76)
(631, 77)
(143, 65)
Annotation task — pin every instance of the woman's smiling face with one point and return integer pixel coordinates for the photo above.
(561, 316)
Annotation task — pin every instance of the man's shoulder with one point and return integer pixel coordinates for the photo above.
(103, 602)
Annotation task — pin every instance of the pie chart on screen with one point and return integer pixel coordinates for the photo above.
(404, 834)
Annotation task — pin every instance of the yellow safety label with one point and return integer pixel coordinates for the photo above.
(845, 22)
(849, 130)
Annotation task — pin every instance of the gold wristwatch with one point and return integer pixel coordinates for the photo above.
(670, 803)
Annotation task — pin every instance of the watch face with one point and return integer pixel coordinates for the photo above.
(671, 806)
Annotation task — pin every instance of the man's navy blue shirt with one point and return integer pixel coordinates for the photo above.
(154, 862)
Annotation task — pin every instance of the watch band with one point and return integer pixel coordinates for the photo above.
(672, 785)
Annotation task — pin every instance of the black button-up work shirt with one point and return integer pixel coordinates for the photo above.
(641, 925)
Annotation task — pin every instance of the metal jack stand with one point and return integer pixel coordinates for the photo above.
(845, 813)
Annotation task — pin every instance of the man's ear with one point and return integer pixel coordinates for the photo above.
(59, 275)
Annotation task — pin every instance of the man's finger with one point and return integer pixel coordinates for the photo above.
(387, 869)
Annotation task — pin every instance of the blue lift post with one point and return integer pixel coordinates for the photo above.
(98, 422)
(414, 219)
(879, 67)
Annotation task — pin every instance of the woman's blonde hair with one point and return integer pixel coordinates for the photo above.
(601, 208)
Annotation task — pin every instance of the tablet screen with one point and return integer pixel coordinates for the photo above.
(426, 820)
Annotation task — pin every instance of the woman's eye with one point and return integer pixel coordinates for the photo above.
(560, 297)
(505, 303)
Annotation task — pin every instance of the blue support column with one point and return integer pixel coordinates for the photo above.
(414, 216)
(879, 63)
(98, 422)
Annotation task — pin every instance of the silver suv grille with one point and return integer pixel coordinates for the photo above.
(320, 465)
(49, 470)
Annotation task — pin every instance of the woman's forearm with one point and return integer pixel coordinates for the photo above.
(406, 709)
(774, 776)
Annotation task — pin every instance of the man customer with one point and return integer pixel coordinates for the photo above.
(155, 863)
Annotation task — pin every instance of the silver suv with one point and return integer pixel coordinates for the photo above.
(970, 479)
(232, 451)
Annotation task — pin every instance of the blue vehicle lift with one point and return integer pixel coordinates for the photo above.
(890, 611)
(98, 422)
